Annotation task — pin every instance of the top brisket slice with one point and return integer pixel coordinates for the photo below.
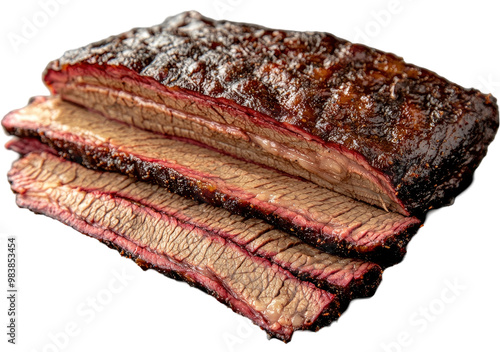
(346, 116)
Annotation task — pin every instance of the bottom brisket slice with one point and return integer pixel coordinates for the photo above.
(264, 292)
(321, 217)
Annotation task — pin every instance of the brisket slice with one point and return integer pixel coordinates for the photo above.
(345, 277)
(346, 116)
(323, 218)
(269, 295)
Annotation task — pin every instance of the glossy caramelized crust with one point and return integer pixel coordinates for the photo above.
(421, 133)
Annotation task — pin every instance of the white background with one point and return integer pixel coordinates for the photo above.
(60, 270)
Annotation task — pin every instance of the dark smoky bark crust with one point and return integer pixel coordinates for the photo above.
(423, 133)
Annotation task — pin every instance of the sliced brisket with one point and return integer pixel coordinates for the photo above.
(266, 293)
(343, 115)
(347, 278)
(319, 216)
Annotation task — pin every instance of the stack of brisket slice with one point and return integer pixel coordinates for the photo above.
(278, 171)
